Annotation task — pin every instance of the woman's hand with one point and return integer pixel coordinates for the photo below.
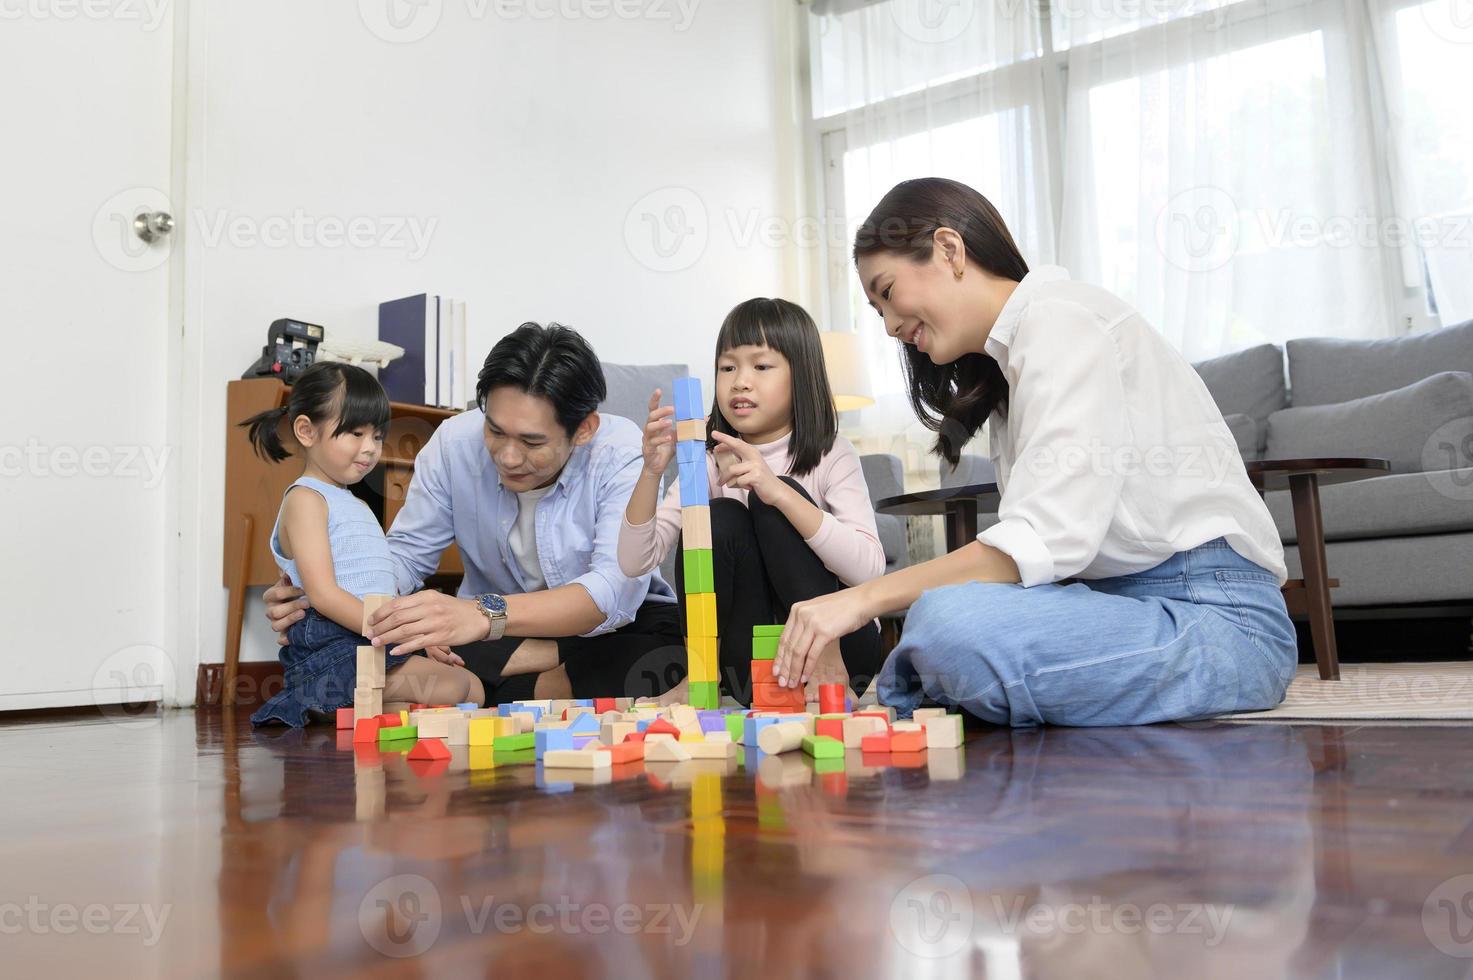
(658, 446)
(285, 604)
(428, 619)
(814, 624)
(749, 471)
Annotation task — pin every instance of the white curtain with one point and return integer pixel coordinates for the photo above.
(1229, 168)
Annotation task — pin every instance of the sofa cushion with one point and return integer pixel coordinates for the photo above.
(1431, 417)
(970, 470)
(1245, 432)
(1386, 506)
(1325, 370)
(630, 387)
(1249, 382)
(1391, 571)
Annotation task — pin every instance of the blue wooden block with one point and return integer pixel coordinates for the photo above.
(467, 706)
(551, 738)
(585, 723)
(642, 724)
(693, 489)
(583, 703)
(752, 727)
(690, 453)
(688, 400)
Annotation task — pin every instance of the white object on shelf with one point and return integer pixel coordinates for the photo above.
(364, 353)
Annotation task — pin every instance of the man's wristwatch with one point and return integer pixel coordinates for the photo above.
(493, 607)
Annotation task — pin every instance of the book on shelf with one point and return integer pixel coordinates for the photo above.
(436, 368)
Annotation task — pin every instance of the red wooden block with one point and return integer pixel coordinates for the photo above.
(390, 720)
(429, 749)
(366, 731)
(600, 705)
(768, 696)
(417, 707)
(831, 699)
(625, 751)
(762, 672)
(634, 737)
(907, 741)
(661, 725)
(345, 717)
(875, 743)
(832, 727)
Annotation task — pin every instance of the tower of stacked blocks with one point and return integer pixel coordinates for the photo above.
(695, 519)
(767, 694)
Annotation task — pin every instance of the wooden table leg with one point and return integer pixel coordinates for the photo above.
(1310, 529)
(961, 524)
(235, 617)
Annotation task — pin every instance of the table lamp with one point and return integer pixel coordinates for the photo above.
(848, 375)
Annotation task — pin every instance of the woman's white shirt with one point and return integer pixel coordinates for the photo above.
(1112, 455)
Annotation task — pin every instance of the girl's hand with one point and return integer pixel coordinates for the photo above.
(417, 622)
(812, 625)
(659, 437)
(749, 471)
(445, 655)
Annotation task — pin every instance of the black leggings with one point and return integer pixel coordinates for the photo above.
(762, 568)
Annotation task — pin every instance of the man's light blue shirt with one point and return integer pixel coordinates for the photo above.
(456, 496)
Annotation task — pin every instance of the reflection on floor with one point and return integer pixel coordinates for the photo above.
(189, 845)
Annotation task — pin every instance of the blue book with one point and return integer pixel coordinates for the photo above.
(413, 324)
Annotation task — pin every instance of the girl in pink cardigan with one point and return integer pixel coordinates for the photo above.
(790, 512)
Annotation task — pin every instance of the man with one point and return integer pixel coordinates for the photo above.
(531, 487)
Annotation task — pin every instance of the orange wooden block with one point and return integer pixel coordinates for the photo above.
(429, 749)
(907, 741)
(832, 727)
(769, 696)
(762, 672)
(625, 752)
(366, 731)
(875, 743)
(600, 705)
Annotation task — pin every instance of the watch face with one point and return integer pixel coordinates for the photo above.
(492, 603)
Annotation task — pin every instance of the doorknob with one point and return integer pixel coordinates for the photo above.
(153, 225)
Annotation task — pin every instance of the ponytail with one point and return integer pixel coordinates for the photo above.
(265, 434)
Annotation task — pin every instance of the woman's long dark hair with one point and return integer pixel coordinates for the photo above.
(788, 329)
(952, 400)
(325, 391)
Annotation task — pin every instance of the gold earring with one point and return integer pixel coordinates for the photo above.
(958, 273)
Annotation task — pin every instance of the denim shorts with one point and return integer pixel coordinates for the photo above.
(320, 669)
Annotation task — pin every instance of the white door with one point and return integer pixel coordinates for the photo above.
(86, 472)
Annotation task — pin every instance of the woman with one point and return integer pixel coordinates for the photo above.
(1116, 471)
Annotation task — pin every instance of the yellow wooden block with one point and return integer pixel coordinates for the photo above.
(484, 731)
(692, 737)
(700, 614)
(695, 528)
(403, 717)
(702, 657)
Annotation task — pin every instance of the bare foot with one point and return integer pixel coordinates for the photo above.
(830, 669)
(679, 694)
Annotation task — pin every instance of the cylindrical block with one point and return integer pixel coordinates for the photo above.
(785, 736)
(831, 699)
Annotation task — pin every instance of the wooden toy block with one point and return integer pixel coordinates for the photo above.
(705, 694)
(614, 732)
(831, 726)
(711, 750)
(690, 453)
(823, 747)
(665, 750)
(514, 743)
(907, 726)
(370, 667)
(700, 615)
(734, 725)
(691, 430)
(584, 724)
(660, 725)
(403, 717)
(396, 732)
(433, 724)
(700, 576)
(879, 742)
(907, 741)
(920, 715)
(886, 717)
(768, 629)
(686, 393)
(365, 730)
(753, 727)
(775, 696)
(523, 721)
(694, 490)
(702, 656)
(600, 705)
(429, 749)
(368, 702)
(695, 527)
(573, 759)
(943, 765)
(624, 752)
(623, 704)
(684, 717)
(389, 719)
(944, 732)
(860, 726)
(762, 672)
(691, 737)
(765, 648)
(345, 718)
(785, 736)
(483, 731)
(721, 736)
(459, 730)
(831, 699)
(370, 606)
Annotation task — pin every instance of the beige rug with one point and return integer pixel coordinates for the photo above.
(1371, 692)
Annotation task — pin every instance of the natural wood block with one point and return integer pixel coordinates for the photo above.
(665, 749)
(690, 430)
(856, 728)
(944, 732)
(711, 749)
(908, 726)
(785, 736)
(614, 732)
(695, 527)
(574, 759)
(370, 667)
(370, 606)
(433, 724)
(921, 714)
(368, 702)
(459, 730)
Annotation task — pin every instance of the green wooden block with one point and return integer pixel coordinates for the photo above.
(398, 732)
(705, 695)
(699, 574)
(827, 765)
(514, 743)
(765, 647)
(767, 631)
(734, 723)
(823, 747)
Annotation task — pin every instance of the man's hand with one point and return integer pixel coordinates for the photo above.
(417, 622)
(285, 604)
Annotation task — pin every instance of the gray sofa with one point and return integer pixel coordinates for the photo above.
(1406, 537)
(629, 392)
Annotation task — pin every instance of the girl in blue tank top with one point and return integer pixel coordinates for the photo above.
(332, 547)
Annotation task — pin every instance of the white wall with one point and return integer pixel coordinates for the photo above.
(523, 144)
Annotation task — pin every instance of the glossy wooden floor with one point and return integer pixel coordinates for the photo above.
(187, 845)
